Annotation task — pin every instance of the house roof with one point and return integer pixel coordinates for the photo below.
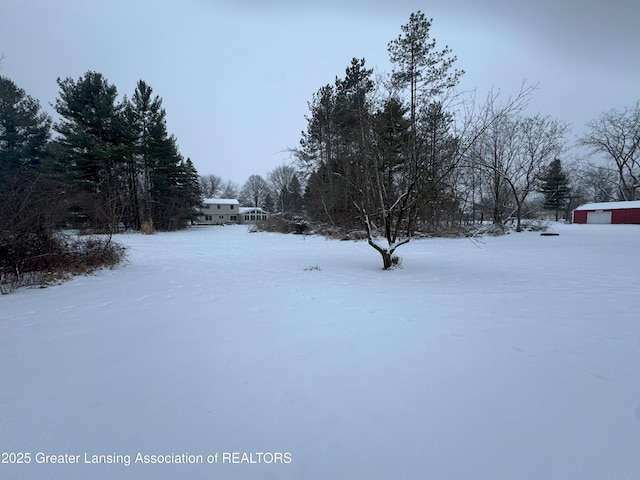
(609, 205)
(252, 209)
(221, 201)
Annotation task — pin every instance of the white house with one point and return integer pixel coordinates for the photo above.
(218, 211)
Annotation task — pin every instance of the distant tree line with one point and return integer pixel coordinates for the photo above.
(280, 193)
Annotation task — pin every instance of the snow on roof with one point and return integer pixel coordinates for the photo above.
(249, 209)
(221, 201)
(609, 205)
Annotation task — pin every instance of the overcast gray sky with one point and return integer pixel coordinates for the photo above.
(235, 76)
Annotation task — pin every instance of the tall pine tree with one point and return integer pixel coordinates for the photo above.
(167, 187)
(24, 134)
(24, 129)
(555, 188)
(93, 144)
(121, 157)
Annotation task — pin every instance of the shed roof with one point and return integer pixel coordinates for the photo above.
(609, 205)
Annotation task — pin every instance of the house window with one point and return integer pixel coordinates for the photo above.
(207, 206)
(208, 218)
(246, 218)
(220, 217)
(253, 217)
(233, 218)
(231, 206)
(218, 207)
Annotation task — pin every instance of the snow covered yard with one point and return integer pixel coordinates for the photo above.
(510, 358)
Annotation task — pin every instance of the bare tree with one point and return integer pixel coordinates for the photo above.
(616, 134)
(493, 156)
(511, 153)
(230, 189)
(392, 199)
(541, 140)
(211, 185)
(280, 180)
(254, 191)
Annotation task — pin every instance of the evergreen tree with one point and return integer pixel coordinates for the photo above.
(285, 187)
(27, 189)
(190, 191)
(437, 162)
(354, 121)
(24, 134)
(24, 129)
(122, 157)
(93, 144)
(175, 191)
(32, 205)
(426, 71)
(269, 204)
(555, 188)
(154, 158)
(373, 166)
(317, 152)
(295, 196)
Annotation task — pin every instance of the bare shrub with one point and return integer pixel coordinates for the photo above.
(535, 225)
(40, 260)
(147, 227)
(280, 224)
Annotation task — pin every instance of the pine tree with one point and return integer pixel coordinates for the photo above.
(31, 205)
(555, 188)
(269, 204)
(427, 72)
(191, 192)
(93, 145)
(152, 149)
(24, 135)
(24, 129)
(295, 195)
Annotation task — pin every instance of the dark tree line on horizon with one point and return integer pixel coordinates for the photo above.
(281, 192)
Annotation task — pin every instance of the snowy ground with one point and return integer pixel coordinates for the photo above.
(511, 358)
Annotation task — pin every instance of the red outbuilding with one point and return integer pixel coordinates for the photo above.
(608, 212)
